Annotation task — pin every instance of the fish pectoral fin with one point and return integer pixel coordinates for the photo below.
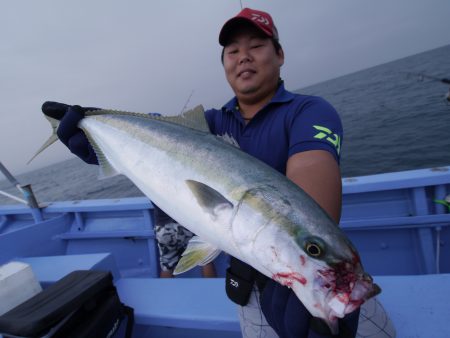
(198, 252)
(212, 201)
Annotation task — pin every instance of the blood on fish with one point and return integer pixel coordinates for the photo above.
(287, 278)
(341, 278)
(302, 260)
(343, 298)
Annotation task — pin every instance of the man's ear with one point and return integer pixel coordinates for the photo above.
(280, 57)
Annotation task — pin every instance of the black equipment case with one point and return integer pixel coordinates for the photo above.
(83, 304)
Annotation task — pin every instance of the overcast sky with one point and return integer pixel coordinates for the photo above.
(151, 55)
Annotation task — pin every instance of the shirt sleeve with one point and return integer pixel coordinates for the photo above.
(316, 126)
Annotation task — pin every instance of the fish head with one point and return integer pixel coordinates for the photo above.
(339, 285)
(293, 241)
(323, 269)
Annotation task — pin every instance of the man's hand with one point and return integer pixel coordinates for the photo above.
(68, 131)
(284, 312)
(290, 319)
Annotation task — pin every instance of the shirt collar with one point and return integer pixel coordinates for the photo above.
(281, 96)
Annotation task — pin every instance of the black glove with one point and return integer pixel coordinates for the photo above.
(290, 319)
(68, 131)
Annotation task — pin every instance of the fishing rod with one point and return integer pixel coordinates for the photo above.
(187, 101)
(422, 77)
(27, 192)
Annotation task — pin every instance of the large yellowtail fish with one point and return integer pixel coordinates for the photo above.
(233, 203)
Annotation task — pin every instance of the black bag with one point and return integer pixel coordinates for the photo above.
(83, 304)
(240, 278)
(238, 289)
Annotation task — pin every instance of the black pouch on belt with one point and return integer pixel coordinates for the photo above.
(239, 281)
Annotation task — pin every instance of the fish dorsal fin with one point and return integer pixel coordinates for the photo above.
(198, 252)
(212, 201)
(194, 118)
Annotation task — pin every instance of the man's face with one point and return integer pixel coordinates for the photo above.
(252, 66)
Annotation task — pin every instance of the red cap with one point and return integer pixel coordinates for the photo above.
(261, 20)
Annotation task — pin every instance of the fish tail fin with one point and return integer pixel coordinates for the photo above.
(52, 139)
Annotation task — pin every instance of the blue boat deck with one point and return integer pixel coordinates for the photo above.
(193, 307)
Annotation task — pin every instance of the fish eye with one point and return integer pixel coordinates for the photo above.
(314, 247)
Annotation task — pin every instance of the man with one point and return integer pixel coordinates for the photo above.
(300, 136)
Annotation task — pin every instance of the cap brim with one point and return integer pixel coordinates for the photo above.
(231, 25)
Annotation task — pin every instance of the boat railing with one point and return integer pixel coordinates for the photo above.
(394, 220)
(27, 192)
(400, 221)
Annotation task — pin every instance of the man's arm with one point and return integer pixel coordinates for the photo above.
(318, 174)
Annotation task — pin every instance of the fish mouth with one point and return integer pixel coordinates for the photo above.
(336, 291)
(346, 290)
(342, 303)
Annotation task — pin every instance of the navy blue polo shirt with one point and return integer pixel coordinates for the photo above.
(290, 123)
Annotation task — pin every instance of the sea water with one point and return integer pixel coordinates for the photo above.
(393, 120)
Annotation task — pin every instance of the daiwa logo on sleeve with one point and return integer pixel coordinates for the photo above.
(327, 134)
